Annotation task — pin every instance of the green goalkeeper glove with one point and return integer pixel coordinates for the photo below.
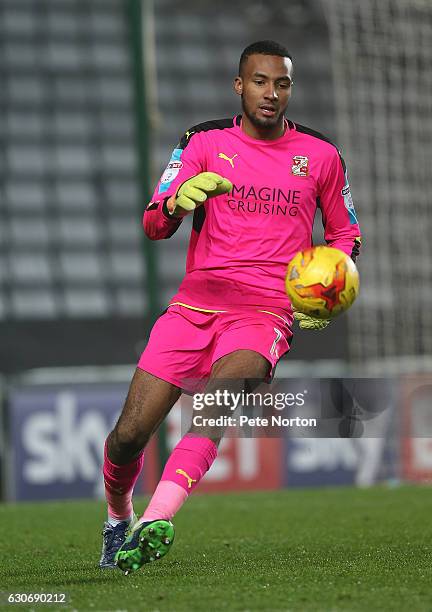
(195, 192)
(307, 322)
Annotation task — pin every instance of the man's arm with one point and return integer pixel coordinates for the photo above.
(158, 223)
(341, 228)
(187, 160)
(191, 194)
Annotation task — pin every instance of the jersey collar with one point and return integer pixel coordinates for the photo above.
(289, 128)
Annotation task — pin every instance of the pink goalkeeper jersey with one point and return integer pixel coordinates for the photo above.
(242, 241)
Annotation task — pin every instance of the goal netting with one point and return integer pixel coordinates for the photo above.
(381, 53)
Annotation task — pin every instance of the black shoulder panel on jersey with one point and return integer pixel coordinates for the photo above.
(214, 124)
(305, 130)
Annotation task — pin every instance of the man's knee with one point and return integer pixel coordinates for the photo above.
(242, 364)
(215, 434)
(125, 443)
(149, 400)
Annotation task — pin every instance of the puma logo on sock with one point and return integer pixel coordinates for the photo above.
(189, 479)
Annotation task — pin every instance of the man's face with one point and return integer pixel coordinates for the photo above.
(265, 89)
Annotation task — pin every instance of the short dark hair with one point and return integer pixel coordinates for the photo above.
(263, 47)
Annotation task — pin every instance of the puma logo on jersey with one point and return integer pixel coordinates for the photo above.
(189, 479)
(189, 134)
(228, 159)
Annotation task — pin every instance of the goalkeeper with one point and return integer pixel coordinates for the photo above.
(252, 184)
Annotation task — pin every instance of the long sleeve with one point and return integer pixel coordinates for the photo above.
(187, 160)
(341, 228)
(157, 221)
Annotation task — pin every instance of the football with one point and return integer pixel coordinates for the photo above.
(322, 282)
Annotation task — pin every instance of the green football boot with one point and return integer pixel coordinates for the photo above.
(147, 542)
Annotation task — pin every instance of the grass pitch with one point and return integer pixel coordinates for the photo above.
(302, 550)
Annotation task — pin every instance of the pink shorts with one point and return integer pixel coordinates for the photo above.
(185, 343)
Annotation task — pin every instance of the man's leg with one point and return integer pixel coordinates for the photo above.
(148, 402)
(196, 451)
(193, 456)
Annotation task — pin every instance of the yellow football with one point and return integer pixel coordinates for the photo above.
(322, 282)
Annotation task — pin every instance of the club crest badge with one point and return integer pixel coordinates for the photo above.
(300, 166)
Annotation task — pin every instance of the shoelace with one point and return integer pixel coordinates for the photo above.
(112, 536)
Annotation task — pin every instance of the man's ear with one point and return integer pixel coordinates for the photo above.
(238, 85)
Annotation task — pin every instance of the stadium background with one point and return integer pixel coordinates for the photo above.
(94, 97)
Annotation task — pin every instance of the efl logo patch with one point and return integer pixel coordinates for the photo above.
(349, 204)
(171, 171)
(300, 166)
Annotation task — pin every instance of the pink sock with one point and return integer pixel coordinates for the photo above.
(119, 483)
(187, 464)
